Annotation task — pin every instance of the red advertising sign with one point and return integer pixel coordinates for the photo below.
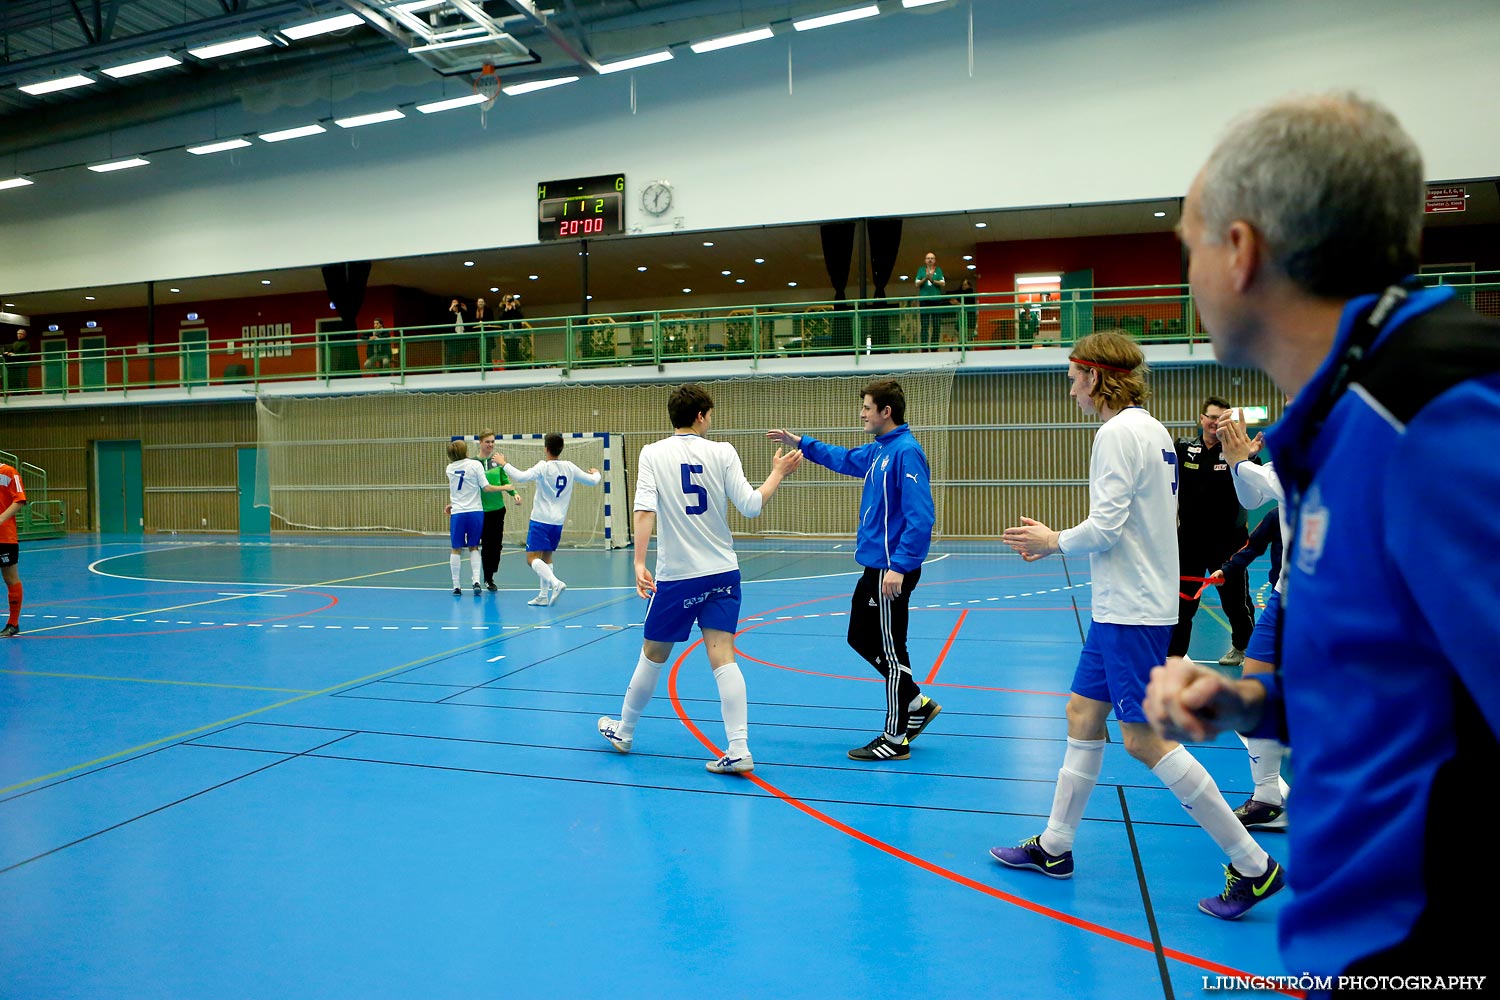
(1445, 199)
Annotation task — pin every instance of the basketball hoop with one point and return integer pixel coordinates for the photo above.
(487, 85)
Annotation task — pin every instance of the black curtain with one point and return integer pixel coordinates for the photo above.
(346, 285)
(838, 250)
(885, 244)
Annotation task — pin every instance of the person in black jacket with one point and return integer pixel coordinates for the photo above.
(1210, 529)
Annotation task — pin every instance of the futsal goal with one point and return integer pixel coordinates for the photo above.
(375, 463)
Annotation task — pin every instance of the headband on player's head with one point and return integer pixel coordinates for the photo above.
(1100, 365)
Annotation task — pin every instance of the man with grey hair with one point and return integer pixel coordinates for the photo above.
(1301, 229)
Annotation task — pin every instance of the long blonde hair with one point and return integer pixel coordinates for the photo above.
(1121, 366)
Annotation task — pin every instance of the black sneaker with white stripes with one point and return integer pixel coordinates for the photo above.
(881, 748)
(918, 719)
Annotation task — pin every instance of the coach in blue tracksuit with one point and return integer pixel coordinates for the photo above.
(895, 531)
(1301, 229)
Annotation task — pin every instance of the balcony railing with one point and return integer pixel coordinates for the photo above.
(1153, 314)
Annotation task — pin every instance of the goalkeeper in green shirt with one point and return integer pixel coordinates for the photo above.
(492, 540)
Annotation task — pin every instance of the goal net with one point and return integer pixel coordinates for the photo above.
(316, 474)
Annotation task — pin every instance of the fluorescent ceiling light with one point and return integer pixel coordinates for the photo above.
(526, 88)
(725, 41)
(646, 60)
(909, 4)
(142, 66)
(336, 23)
(824, 20)
(291, 133)
(59, 83)
(104, 168)
(230, 47)
(416, 5)
(451, 103)
(1040, 279)
(370, 119)
(15, 182)
(218, 147)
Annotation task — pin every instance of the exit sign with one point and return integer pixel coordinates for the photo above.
(1445, 199)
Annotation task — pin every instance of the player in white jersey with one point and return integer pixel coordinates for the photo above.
(684, 485)
(555, 479)
(466, 481)
(1131, 537)
(1255, 485)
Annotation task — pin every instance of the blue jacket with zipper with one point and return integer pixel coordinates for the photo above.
(895, 509)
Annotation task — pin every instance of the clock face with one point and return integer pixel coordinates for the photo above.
(657, 197)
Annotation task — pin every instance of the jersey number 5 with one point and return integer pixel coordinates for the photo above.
(692, 489)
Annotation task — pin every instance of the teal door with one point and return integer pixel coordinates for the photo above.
(253, 520)
(195, 356)
(55, 365)
(91, 362)
(1077, 312)
(118, 494)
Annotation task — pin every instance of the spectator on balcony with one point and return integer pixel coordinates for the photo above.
(17, 368)
(377, 346)
(510, 327)
(930, 286)
(459, 351)
(967, 301)
(484, 324)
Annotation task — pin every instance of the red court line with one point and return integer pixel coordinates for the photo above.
(740, 654)
(937, 663)
(1046, 911)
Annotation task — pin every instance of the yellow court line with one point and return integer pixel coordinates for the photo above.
(151, 680)
(281, 704)
(233, 597)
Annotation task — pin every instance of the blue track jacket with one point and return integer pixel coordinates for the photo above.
(895, 510)
(1388, 686)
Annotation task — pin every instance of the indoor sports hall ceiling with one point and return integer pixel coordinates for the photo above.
(383, 42)
(414, 42)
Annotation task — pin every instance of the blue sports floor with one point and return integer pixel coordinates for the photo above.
(303, 769)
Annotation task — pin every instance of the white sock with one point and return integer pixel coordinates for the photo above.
(638, 695)
(1200, 796)
(541, 569)
(474, 563)
(1075, 783)
(1265, 769)
(916, 703)
(454, 562)
(733, 705)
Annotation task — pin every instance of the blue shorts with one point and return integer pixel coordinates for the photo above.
(542, 537)
(1262, 644)
(712, 601)
(465, 528)
(1116, 663)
